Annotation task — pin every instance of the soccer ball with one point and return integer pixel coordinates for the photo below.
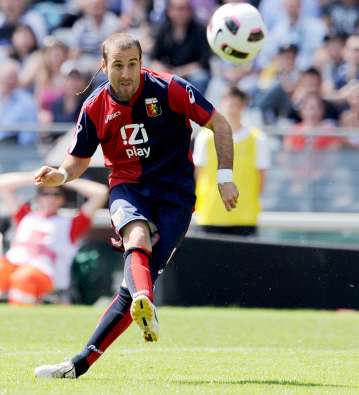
(236, 32)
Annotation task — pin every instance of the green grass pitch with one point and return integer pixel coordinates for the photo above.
(201, 351)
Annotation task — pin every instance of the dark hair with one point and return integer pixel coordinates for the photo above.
(235, 91)
(120, 41)
(13, 53)
(60, 190)
(312, 71)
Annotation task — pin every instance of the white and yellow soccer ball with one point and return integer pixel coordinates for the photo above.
(236, 32)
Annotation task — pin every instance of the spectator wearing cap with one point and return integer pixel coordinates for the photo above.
(282, 68)
(16, 105)
(329, 59)
(306, 33)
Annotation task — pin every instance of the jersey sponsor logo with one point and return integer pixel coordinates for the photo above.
(153, 107)
(135, 134)
(190, 93)
(110, 117)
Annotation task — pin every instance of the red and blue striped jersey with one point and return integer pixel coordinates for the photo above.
(147, 139)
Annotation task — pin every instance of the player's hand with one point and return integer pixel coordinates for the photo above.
(229, 194)
(48, 177)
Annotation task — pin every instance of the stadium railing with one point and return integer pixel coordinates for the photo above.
(310, 190)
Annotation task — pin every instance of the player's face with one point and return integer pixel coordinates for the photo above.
(123, 69)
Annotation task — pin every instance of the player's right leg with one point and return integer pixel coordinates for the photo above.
(117, 317)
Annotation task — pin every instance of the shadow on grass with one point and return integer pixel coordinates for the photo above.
(260, 382)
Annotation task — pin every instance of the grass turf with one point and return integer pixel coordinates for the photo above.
(201, 351)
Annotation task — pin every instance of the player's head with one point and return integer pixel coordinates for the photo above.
(233, 102)
(50, 199)
(121, 62)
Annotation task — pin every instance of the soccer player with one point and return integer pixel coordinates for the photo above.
(45, 242)
(141, 119)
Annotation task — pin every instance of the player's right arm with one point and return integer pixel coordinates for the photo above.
(78, 158)
(71, 168)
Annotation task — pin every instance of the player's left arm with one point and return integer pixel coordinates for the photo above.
(224, 148)
(185, 99)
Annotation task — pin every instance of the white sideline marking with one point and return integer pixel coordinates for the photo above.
(152, 349)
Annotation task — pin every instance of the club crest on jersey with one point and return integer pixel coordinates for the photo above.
(153, 108)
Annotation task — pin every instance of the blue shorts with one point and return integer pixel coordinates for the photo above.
(129, 202)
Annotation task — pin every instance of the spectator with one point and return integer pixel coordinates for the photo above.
(67, 107)
(349, 70)
(341, 17)
(14, 13)
(281, 101)
(92, 28)
(23, 45)
(273, 13)
(181, 47)
(251, 160)
(16, 105)
(282, 69)
(312, 114)
(329, 59)
(306, 33)
(135, 19)
(350, 117)
(48, 79)
(45, 242)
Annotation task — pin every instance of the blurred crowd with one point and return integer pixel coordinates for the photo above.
(306, 74)
(305, 79)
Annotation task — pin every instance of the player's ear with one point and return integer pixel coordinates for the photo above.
(103, 66)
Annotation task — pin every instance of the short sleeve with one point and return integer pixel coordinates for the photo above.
(85, 140)
(23, 210)
(185, 99)
(80, 225)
